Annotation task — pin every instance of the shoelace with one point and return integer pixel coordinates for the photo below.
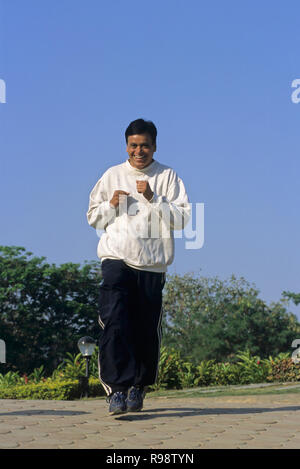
(135, 393)
(117, 396)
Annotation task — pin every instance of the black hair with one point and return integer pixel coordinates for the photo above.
(140, 126)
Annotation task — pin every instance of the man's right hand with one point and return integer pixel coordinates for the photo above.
(115, 198)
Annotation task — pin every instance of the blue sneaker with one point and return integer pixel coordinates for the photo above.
(117, 403)
(135, 399)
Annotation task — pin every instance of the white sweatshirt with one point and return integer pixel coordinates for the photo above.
(139, 232)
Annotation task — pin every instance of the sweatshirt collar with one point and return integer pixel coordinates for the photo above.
(146, 170)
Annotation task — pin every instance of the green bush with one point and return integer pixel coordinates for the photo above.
(251, 368)
(73, 366)
(187, 375)
(173, 373)
(204, 373)
(170, 364)
(10, 378)
(52, 390)
(225, 373)
(284, 370)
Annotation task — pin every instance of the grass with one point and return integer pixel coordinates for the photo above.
(220, 391)
(247, 390)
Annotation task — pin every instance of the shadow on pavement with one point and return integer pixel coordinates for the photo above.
(192, 411)
(44, 412)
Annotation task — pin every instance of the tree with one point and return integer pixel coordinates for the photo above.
(45, 309)
(206, 318)
(295, 297)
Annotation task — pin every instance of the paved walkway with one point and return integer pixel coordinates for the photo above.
(267, 421)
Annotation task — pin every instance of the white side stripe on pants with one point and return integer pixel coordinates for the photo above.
(107, 389)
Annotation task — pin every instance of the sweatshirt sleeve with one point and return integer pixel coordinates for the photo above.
(100, 213)
(174, 208)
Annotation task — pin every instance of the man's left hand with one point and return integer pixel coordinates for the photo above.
(144, 188)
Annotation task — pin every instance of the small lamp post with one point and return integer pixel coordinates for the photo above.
(86, 346)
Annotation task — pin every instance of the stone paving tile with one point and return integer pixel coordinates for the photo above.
(181, 444)
(147, 428)
(129, 445)
(276, 430)
(270, 436)
(114, 436)
(143, 442)
(291, 444)
(178, 444)
(95, 444)
(86, 444)
(222, 444)
(7, 442)
(107, 439)
(85, 431)
(242, 434)
(7, 428)
(258, 444)
(53, 425)
(23, 422)
(197, 433)
(34, 445)
(286, 425)
(45, 443)
(112, 422)
(182, 441)
(70, 436)
(28, 435)
(233, 422)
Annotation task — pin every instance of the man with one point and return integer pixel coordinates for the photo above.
(138, 204)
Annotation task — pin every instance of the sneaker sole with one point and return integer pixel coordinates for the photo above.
(117, 412)
(134, 410)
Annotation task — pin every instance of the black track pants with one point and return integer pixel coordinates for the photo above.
(130, 313)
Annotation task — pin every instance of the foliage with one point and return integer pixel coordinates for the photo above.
(168, 371)
(204, 373)
(187, 374)
(176, 373)
(173, 373)
(225, 373)
(295, 297)
(210, 319)
(251, 368)
(37, 375)
(64, 383)
(284, 370)
(44, 309)
(73, 366)
(9, 379)
(49, 389)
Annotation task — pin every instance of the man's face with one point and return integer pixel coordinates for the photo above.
(140, 150)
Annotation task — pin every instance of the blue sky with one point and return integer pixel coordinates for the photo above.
(215, 77)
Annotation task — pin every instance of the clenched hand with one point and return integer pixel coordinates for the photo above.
(144, 188)
(115, 198)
